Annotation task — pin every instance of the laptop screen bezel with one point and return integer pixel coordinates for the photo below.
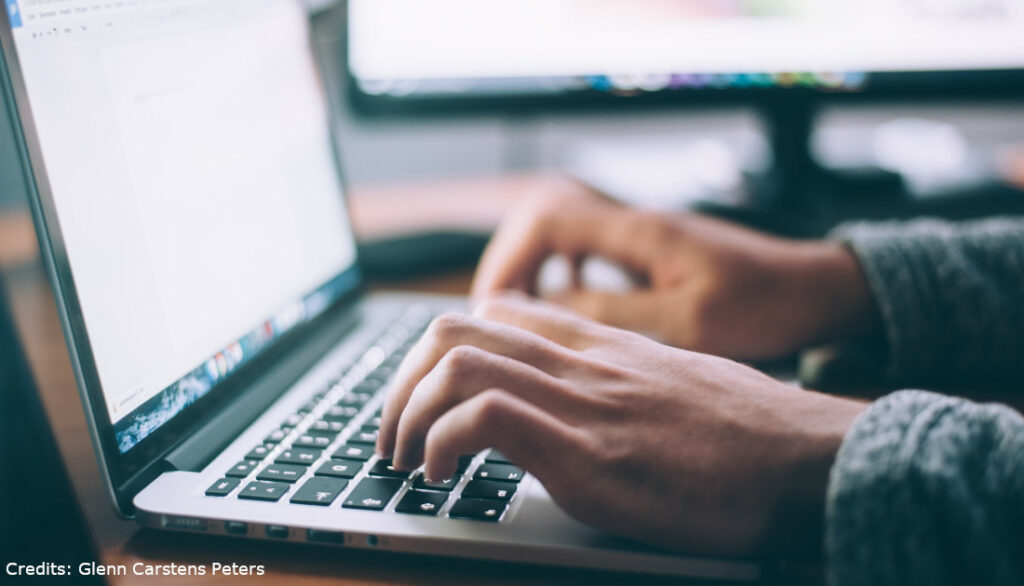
(127, 472)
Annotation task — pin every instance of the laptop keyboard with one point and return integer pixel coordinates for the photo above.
(323, 454)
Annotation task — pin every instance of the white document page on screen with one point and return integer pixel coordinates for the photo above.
(194, 181)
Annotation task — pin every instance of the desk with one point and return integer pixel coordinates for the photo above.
(476, 204)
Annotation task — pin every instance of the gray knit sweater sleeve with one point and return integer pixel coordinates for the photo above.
(951, 296)
(928, 489)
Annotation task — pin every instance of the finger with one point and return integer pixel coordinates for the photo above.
(515, 254)
(463, 373)
(638, 311)
(543, 318)
(530, 436)
(447, 332)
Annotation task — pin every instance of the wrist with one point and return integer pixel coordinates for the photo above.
(840, 303)
(798, 526)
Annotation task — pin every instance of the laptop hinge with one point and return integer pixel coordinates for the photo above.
(209, 440)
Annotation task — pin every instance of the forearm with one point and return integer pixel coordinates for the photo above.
(950, 296)
(928, 489)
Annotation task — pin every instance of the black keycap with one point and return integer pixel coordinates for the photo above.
(242, 469)
(264, 491)
(304, 456)
(364, 436)
(282, 473)
(464, 462)
(383, 467)
(354, 400)
(325, 427)
(354, 452)
(293, 420)
(319, 491)
(421, 502)
(259, 452)
(276, 436)
(446, 485)
(503, 472)
(340, 468)
(496, 457)
(367, 387)
(312, 441)
(489, 489)
(341, 413)
(222, 487)
(373, 493)
(380, 376)
(478, 509)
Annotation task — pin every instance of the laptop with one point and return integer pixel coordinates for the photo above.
(190, 209)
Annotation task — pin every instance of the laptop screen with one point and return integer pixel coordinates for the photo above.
(188, 151)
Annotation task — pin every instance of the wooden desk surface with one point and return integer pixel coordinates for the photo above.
(123, 542)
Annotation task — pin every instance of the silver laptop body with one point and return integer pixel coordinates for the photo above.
(191, 213)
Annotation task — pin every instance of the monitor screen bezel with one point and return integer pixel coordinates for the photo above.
(126, 473)
(893, 86)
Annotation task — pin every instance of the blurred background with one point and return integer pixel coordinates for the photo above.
(642, 151)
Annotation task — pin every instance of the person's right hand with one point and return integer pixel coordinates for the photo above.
(708, 285)
(674, 448)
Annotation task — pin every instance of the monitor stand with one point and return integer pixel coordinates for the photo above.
(799, 197)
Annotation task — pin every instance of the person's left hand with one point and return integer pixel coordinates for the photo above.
(663, 445)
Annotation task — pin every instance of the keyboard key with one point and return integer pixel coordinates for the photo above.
(242, 469)
(446, 485)
(312, 441)
(364, 436)
(354, 400)
(368, 387)
(264, 491)
(478, 509)
(373, 493)
(503, 472)
(259, 452)
(340, 468)
(222, 487)
(354, 452)
(319, 491)
(282, 473)
(489, 489)
(383, 467)
(421, 502)
(373, 422)
(464, 461)
(325, 427)
(303, 456)
(341, 413)
(381, 376)
(276, 436)
(496, 457)
(293, 420)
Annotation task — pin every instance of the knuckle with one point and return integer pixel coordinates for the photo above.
(446, 326)
(491, 407)
(461, 361)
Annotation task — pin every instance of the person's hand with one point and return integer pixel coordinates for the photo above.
(664, 445)
(706, 285)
